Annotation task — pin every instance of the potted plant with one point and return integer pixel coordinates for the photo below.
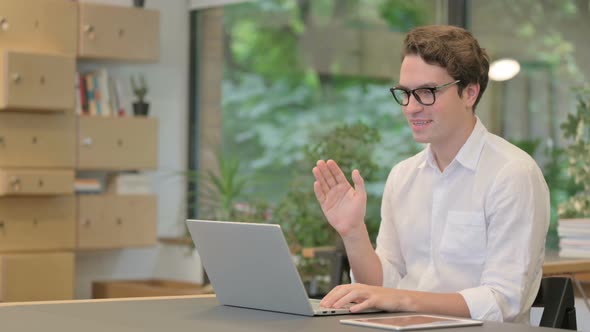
(138, 3)
(574, 213)
(140, 89)
(577, 128)
(223, 194)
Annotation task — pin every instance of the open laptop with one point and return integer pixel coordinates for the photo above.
(249, 265)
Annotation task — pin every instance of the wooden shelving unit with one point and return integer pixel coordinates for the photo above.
(43, 143)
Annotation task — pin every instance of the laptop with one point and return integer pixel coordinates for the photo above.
(250, 266)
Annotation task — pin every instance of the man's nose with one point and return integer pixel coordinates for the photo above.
(413, 105)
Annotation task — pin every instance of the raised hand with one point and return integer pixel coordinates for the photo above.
(343, 205)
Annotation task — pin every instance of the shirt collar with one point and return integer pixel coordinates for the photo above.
(468, 155)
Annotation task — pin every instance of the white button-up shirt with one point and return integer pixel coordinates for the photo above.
(478, 228)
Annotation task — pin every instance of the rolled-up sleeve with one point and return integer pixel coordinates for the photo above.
(482, 303)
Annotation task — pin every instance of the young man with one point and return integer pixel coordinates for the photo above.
(464, 221)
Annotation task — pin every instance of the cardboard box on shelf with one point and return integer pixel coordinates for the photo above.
(146, 287)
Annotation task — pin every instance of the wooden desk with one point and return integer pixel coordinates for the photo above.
(558, 265)
(183, 313)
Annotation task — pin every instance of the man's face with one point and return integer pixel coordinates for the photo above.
(447, 120)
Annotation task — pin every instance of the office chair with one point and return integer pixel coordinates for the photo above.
(556, 296)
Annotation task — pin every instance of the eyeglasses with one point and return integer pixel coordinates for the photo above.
(425, 96)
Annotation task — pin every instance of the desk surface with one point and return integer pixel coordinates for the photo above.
(560, 265)
(188, 313)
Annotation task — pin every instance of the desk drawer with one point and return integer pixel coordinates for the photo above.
(37, 140)
(117, 143)
(47, 26)
(36, 277)
(37, 223)
(36, 182)
(36, 82)
(115, 32)
(111, 221)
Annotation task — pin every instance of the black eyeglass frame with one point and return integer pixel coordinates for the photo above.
(413, 93)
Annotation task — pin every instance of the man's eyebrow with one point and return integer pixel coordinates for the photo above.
(424, 85)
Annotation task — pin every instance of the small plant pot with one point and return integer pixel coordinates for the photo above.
(141, 109)
(138, 3)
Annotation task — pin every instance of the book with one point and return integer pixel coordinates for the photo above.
(130, 184)
(574, 253)
(102, 78)
(87, 185)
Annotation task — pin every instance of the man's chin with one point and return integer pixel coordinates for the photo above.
(421, 139)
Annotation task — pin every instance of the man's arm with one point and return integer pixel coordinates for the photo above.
(385, 265)
(364, 262)
(518, 218)
(344, 208)
(390, 299)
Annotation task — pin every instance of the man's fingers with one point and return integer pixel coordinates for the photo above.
(319, 193)
(320, 178)
(330, 180)
(334, 295)
(366, 304)
(359, 183)
(336, 171)
(352, 296)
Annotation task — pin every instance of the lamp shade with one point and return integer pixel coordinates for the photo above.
(503, 69)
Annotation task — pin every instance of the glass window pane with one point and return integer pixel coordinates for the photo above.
(549, 39)
(310, 79)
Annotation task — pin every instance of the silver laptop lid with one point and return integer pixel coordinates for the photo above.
(249, 265)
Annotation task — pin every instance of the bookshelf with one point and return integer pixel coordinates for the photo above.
(45, 143)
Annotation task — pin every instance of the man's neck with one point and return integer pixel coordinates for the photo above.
(445, 152)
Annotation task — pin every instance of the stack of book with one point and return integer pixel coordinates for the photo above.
(574, 237)
(88, 186)
(98, 94)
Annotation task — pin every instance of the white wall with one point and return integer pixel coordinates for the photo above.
(168, 96)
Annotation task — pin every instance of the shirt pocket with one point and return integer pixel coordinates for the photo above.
(464, 238)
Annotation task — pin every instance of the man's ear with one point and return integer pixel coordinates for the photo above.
(470, 94)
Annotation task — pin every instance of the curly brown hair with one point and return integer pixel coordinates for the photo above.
(454, 49)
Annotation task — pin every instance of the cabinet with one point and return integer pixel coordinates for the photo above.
(49, 226)
(36, 182)
(118, 33)
(43, 144)
(36, 82)
(117, 143)
(111, 221)
(36, 277)
(42, 26)
(37, 140)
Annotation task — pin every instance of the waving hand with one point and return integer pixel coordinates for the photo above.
(343, 205)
